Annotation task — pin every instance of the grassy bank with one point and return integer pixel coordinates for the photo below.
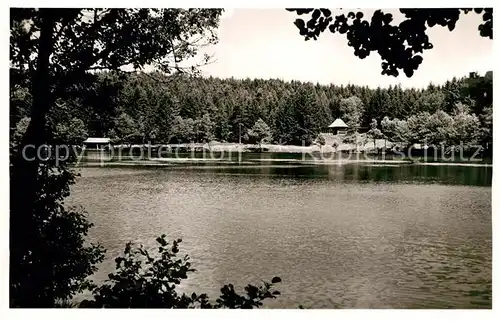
(253, 155)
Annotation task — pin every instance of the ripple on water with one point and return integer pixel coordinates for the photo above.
(334, 243)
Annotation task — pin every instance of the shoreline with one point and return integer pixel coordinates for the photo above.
(233, 154)
(217, 147)
(175, 162)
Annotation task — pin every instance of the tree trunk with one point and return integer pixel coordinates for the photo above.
(24, 173)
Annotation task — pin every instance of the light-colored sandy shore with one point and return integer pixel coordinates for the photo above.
(456, 164)
(272, 148)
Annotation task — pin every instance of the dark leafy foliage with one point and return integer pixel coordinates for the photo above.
(142, 280)
(55, 266)
(399, 45)
(53, 52)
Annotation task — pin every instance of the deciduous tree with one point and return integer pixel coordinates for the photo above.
(374, 133)
(54, 51)
(260, 132)
(352, 109)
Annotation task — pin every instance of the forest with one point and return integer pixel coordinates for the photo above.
(66, 84)
(151, 107)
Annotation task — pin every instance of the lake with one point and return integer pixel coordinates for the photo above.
(365, 235)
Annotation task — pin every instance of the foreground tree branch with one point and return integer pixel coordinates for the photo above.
(400, 46)
(54, 50)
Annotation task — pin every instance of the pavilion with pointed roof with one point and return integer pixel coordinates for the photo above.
(338, 127)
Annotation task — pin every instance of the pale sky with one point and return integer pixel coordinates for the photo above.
(264, 43)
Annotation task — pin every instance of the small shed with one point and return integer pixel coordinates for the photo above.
(419, 146)
(96, 143)
(338, 127)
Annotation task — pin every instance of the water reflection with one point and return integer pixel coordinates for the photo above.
(444, 174)
(350, 236)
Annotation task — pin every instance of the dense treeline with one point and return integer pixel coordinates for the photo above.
(141, 107)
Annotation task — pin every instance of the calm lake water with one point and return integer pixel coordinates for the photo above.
(339, 236)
